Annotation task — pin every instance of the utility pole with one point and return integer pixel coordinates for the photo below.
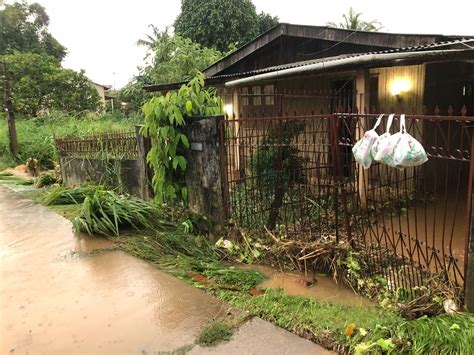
(9, 113)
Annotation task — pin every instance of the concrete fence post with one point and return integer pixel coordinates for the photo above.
(203, 173)
(144, 170)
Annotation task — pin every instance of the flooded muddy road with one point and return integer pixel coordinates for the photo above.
(61, 294)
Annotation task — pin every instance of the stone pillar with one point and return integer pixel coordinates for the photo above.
(144, 170)
(203, 173)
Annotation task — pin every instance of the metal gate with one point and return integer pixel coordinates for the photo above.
(298, 174)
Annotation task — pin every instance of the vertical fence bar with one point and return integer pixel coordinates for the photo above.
(469, 242)
(334, 138)
(223, 165)
(279, 188)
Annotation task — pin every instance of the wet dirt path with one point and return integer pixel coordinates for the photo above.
(61, 294)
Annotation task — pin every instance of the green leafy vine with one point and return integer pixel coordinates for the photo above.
(165, 118)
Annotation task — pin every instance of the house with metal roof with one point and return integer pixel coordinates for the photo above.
(298, 98)
(296, 69)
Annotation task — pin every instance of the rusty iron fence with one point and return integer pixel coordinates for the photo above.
(298, 174)
(118, 144)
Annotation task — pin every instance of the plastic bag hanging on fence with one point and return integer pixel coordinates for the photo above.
(386, 149)
(408, 151)
(361, 149)
(381, 140)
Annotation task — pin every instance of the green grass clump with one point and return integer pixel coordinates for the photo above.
(214, 333)
(107, 213)
(179, 242)
(444, 334)
(61, 195)
(45, 180)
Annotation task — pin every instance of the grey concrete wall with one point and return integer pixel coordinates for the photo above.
(203, 174)
(76, 171)
(132, 174)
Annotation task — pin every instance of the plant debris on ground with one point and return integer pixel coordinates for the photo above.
(106, 213)
(60, 195)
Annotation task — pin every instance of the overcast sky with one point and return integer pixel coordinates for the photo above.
(100, 35)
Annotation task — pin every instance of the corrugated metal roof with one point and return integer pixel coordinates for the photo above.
(431, 46)
(453, 44)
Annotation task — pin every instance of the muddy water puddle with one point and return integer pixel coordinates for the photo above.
(65, 294)
(324, 289)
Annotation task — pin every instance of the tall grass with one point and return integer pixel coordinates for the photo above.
(36, 135)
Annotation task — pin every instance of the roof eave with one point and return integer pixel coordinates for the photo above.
(361, 61)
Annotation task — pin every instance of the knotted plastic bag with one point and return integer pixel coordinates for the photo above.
(361, 149)
(401, 150)
(408, 151)
(381, 140)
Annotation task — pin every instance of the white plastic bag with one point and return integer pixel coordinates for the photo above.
(386, 152)
(408, 151)
(381, 141)
(401, 150)
(361, 149)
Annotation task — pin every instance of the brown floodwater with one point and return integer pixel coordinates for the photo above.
(442, 227)
(65, 294)
(324, 289)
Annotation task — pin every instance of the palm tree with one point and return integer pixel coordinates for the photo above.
(352, 21)
(153, 38)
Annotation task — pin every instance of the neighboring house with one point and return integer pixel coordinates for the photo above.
(296, 69)
(103, 91)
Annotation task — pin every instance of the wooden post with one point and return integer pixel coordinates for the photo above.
(10, 115)
(236, 127)
(362, 98)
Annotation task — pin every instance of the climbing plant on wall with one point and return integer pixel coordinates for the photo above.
(165, 118)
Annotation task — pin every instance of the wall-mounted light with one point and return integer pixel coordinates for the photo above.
(400, 86)
(229, 110)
